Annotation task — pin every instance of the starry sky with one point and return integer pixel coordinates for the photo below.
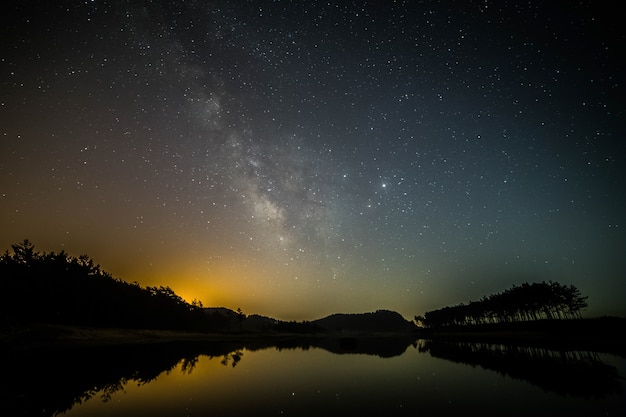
(297, 159)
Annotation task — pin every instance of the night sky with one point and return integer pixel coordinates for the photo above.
(297, 159)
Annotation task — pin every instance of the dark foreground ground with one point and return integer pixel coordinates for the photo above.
(605, 334)
(35, 336)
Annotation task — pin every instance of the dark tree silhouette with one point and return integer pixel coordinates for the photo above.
(240, 318)
(57, 288)
(419, 321)
(544, 300)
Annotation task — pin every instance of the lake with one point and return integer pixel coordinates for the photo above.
(347, 376)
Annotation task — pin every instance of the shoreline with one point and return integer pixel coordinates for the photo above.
(601, 334)
(43, 336)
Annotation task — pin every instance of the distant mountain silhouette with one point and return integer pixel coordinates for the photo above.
(222, 311)
(383, 321)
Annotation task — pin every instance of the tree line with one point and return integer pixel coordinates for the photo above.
(527, 302)
(61, 289)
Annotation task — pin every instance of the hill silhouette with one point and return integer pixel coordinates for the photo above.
(382, 321)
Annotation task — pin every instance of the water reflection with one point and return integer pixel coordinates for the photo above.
(233, 358)
(575, 373)
(49, 382)
(384, 347)
(46, 383)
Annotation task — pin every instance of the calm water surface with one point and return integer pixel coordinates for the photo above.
(426, 379)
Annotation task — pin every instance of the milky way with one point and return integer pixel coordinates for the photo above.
(302, 158)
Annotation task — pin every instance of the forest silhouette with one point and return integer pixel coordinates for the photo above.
(527, 302)
(57, 288)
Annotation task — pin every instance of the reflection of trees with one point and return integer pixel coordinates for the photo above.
(187, 365)
(575, 373)
(233, 358)
(55, 380)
